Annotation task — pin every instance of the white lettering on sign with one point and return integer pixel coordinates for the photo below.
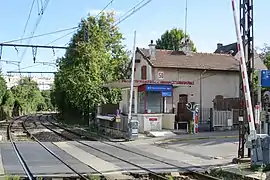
(152, 119)
(160, 75)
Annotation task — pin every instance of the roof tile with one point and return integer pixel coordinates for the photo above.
(205, 61)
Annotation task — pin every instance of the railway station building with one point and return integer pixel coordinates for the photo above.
(165, 81)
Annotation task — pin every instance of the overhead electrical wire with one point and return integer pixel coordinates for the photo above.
(129, 13)
(60, 38)
(42, 10)
(131, 9)
(134, 10)
(40, 35)
(34, 65)
(67, 35)
(67, 29)
(28, 18)
(105, 7)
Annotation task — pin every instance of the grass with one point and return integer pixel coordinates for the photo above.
(12, 177)
(94, 177)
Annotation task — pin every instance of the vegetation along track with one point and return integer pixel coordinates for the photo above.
(55, 155)
(195, 174)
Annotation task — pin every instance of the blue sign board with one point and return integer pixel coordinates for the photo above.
(265, 78)
(166, 94)
(158, 88)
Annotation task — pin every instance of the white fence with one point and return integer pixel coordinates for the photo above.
(222, 118)
(218, 119)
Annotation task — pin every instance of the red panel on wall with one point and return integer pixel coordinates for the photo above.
(141, 88)
(152, 119)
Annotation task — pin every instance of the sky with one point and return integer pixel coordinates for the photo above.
(208, 22)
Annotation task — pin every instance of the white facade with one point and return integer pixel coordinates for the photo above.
(207, 83)
(44, 83)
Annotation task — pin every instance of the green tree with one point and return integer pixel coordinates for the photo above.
(3, 90)
(27, 96)
(46, 94)
(171, 40)
(3, 87)
(265, 55)
(95, 56)
(7, 104)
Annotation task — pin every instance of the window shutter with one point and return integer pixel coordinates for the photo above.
(144, 72)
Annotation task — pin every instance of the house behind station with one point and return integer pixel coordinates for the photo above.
(233, 50)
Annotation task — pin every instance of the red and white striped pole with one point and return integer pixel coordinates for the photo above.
(244, 75)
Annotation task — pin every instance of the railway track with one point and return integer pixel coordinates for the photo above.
(197, 175)
(26, 169)
(23, 163)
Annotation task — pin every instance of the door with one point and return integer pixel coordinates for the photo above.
(182, 112)
(183, 100)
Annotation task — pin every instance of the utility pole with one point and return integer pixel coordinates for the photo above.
(246, 27)
(131, 88)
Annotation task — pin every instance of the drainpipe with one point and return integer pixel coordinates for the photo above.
(201, 93)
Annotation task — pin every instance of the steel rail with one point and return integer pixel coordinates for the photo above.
(17, 152)
(51, 152)
(104, 152)
(201, 175)
(100, 136)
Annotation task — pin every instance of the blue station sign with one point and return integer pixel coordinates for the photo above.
(158, 88)
(265, 78)
(166, 94)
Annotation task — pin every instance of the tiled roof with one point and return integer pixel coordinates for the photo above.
(204, 61)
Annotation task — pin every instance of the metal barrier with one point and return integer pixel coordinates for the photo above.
(116, 127)
(204, 120)
(205, 113)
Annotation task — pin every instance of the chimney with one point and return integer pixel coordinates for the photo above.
(219, 45)
(152, 50)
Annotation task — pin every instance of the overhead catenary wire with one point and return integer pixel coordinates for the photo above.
(41, 35)
(111, 1)
(61, 37)
(132, 10)
(103, 9)
(28, 18)
(36, 25)
(62, 30)
(34, 65)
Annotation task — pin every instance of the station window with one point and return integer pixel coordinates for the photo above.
(151, 98)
